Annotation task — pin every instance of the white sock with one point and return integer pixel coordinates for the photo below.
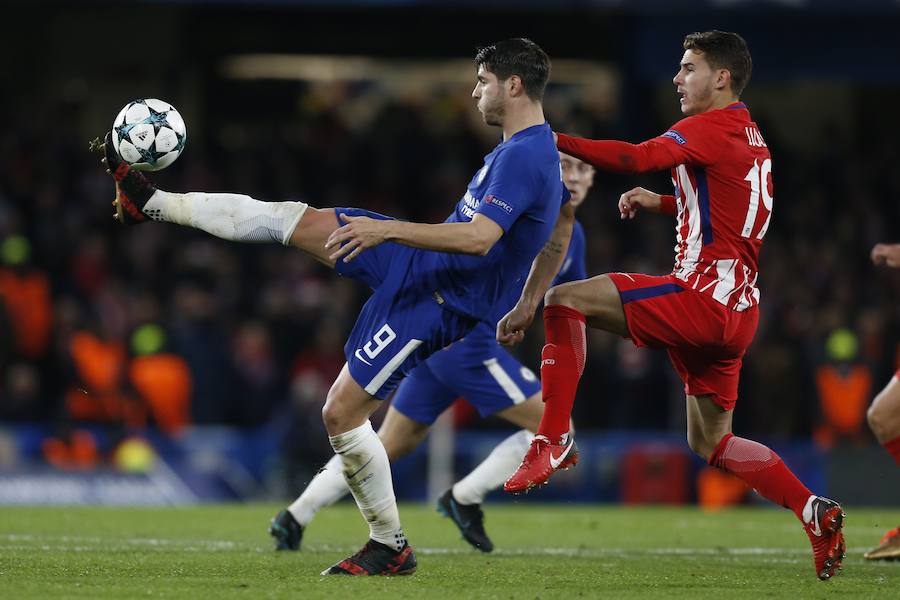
(234, 217)
(326, 488)
(493, 470)
(367, 472)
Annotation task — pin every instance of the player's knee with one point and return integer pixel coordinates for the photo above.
(334, 415)
(700, 444)
(565, 294)
(879, 419)
(557, 295)
(873, 416)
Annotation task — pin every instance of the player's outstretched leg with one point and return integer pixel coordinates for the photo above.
(764, 471)
(234, 217)
(884, 420)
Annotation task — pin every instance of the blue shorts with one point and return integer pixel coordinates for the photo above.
(401, 324)
(491, 379)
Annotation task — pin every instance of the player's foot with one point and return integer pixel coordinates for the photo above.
(888, 548)
(287, 532)
(376, 558)
(540, 462)
(823, 520)
(469, 518)
(132, 188)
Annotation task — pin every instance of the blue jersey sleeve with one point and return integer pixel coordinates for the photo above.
(573, 267)
(513, 186)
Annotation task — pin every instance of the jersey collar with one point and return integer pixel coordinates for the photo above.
(528, 131)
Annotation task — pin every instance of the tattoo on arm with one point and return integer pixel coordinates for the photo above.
(551, 249)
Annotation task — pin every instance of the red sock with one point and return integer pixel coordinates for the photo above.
(893, 448)
(562, 362)
(761, 469)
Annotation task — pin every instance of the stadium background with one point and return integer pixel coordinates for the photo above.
(367, 104)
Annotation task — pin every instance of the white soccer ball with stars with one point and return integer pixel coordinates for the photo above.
(149, 134)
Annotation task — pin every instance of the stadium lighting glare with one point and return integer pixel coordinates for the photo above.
(330, 68)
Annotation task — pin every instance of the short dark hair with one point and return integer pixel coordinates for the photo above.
(517, 56)
(724, 50)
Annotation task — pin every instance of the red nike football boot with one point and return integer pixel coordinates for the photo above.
(823, 520)
(540, 462)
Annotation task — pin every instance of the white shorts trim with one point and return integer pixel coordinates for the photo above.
(505, 381)
(392, 365)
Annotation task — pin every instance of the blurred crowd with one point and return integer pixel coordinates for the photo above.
(167, 327)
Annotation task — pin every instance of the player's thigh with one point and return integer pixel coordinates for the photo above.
(312, 232)
(371, 267)
(707, 423)
(526, 415)
(400, 434)
(596, 298)
(884, 413)
(347, 405)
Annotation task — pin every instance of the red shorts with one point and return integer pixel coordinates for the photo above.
(706, 340)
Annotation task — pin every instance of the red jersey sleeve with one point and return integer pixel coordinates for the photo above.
(689, 141)
(619, 157)
(686, 142)
(667, 205)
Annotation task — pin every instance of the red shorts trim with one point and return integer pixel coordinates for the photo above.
(705, 340)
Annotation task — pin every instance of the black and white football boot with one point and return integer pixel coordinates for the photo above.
(133, 190)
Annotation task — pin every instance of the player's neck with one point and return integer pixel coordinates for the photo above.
(525, 116)
(722, 102)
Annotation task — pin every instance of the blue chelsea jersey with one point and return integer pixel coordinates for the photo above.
(483, 338)
(519, 188)
(573, 267)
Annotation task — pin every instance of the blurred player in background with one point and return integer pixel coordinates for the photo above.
(476, 368)
(884, 415)
(704, 313)
(433, 282)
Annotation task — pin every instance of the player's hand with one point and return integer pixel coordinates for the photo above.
(511, 328)
(886, 255)
(359, 233)
(633, 200)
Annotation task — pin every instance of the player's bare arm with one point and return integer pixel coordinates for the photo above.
(511, 328)
(887, 255)
(477, 236)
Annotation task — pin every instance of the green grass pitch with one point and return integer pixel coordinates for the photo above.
(543, 551)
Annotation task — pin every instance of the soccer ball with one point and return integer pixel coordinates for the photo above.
(149, 134)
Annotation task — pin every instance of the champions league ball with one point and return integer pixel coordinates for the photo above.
(149, 134)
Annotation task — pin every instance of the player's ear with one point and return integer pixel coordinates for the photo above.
(723, 79)
(514, 86)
